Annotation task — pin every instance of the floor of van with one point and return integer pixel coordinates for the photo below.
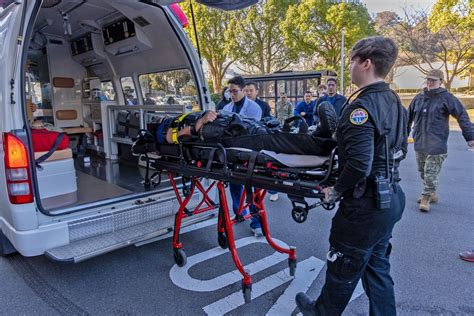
(102, 179)
(87, 189)
(120, 173)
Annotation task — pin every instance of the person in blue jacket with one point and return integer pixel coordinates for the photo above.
(305, 108)
(332, 97)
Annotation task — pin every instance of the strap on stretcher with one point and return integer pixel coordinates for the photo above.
(175, 127)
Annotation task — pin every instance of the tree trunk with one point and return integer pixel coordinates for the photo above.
(448, 83)
(216, 82)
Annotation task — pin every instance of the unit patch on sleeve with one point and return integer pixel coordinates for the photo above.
(359, 116)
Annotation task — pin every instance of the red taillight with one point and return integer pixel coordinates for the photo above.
(17, 170)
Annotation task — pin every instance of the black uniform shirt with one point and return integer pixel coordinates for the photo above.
(266, 110)
(361, 146)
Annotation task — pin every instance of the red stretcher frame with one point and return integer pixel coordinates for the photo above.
(225, 224)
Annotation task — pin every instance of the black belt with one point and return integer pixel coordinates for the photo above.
(370, 191)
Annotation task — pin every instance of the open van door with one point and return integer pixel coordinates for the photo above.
(97, 71)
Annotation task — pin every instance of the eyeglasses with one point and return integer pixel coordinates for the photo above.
(234, 91)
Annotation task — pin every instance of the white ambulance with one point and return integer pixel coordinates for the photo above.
(96, 71)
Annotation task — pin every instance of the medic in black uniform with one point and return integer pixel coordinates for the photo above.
(371, 130)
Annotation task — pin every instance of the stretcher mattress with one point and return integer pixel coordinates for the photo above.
(298, 161)
(299, 175)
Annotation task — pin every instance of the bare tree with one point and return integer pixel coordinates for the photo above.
(422, 45)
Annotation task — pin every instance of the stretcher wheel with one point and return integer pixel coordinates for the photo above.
(299, 214)
(292, 266)
(222, 240)
(180, 257)
(328, 206)
(247, 292)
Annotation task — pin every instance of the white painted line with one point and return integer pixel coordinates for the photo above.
(180, 275)
(358, 291)
(271, 282)
(306, 272)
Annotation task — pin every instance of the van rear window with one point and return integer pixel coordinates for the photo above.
(169, 88)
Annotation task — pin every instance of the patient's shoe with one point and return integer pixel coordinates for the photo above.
(274, 197)
(257, 232)
(305, 304)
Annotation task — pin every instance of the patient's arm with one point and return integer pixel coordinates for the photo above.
(210, 116)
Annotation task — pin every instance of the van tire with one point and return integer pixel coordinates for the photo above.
(6, 247)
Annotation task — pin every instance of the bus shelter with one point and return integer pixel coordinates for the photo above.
(294, 83)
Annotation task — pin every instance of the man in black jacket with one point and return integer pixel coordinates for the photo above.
(372, 127)
(333, 97)
(430, 111)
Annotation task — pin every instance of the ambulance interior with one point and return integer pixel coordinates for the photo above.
(99, 71)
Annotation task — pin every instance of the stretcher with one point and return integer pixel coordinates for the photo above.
(300, 177)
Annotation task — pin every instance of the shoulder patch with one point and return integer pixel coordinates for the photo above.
(359, 116)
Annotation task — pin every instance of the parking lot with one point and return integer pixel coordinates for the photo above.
(430, 279)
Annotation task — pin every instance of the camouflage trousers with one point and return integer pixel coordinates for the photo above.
(429, 167)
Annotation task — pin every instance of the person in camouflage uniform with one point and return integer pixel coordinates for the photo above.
(283, 108)
(429, 112)
(429, 167)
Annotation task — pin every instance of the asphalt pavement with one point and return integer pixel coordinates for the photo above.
(429, 277)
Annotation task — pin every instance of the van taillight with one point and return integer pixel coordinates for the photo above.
(17, 170)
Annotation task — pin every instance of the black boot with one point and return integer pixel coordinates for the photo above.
(305, 304)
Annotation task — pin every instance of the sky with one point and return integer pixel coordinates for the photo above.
(374, 6)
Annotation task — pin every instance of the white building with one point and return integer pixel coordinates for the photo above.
(408, 77)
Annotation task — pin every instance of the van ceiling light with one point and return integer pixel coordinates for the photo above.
(67, 25)
(50, 3)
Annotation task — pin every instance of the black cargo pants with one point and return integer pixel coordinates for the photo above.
(360, 249)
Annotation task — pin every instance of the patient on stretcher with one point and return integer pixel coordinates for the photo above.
(235, 131)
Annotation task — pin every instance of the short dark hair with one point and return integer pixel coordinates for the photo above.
(250, 83)
(307, 91)
(332, 79)
(237, 80)
(382, 51)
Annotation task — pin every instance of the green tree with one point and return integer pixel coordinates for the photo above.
(258, 40)
(215, 34)
(314, 28)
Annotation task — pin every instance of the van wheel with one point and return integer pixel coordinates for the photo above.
(6, 247)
